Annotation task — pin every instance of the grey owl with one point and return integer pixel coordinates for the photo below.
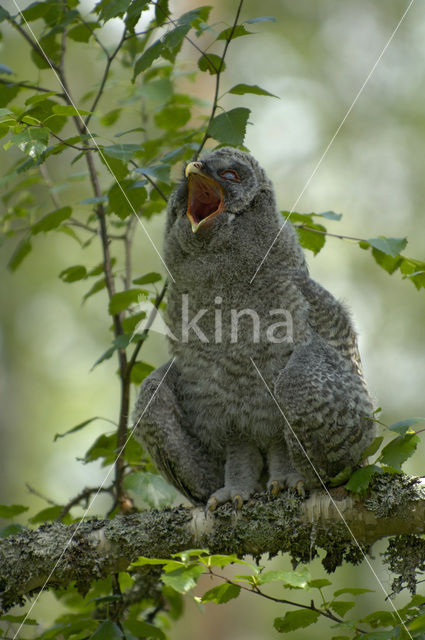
(265, 389)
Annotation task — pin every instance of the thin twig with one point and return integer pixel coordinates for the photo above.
(76, 223)
(149, 179)
(40, 495)
(26, 85)
(254, 589)
(110, 59)
(128, 240)
(217, 81)
(71, 146)
(327, 233)
(186, 37)
(83, 495)
(159, 298)
(46, 177)
(93, 33)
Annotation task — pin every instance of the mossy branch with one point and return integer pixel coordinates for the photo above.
(57, 554)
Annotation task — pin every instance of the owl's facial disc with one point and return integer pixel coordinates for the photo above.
(205, 199)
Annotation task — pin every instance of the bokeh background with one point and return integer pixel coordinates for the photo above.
(315, 57)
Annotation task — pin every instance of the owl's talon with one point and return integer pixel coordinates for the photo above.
(211, 505)
(237, 502)
(300, 488)
(274, 488)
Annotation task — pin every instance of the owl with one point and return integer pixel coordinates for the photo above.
(264, 390)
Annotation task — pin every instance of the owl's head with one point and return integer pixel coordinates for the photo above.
(216, 190)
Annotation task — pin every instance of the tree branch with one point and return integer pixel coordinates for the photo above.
(26, 85)
(284, 524)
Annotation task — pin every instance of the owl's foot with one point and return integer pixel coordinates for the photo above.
(227, 494)
(287, 481)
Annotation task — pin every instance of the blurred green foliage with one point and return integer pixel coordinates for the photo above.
(73, 190)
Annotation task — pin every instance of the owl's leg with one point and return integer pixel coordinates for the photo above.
(324, 400)
(244, 464)
(160, 426)
(282, 474)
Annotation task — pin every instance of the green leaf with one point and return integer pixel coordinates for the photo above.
(151, 487)
(229, 127)
(172, 117)
(40, 98)
(319, 584)
(173, 41)
(72, 274)
(341, 477)
(11, 530)
(385, 261)
(107, 630)
(220, 560)
(212, 64)
(35, 10)
(341, 607)
(184, 578)
(10, 511)
(354, 591)
(360, 480)
(417, 624)
(48, 515)
(111, 117)
(143, 629)
(296, 579)
(404, 426)
(295, 620)
(32, 141)
(124, 152)
(69, 110)
(311, 239)
(51, 220)
(23, 619)
(121, 342)
(221, 593)
(396, 452)
(390, 246)
(148, 278)
(159, 171)
(142, 561)
(140, 371)
(124, 299)
(126, 196)
(83, 32)
(5, 70)
(147, 58)
(5, 112)
(379, 618)
(372, 448)
(330, 215)
(133, 13)
(21, 251)
(78, 427)
(241, 89)
(238, 31)
(103, 447)
(193, 16)
(98, 286)
(161, 11)
(261, 19)
(108, 9)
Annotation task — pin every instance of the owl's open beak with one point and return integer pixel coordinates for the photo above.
(205, 198)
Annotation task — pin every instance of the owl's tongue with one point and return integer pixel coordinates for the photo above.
(205, 200)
